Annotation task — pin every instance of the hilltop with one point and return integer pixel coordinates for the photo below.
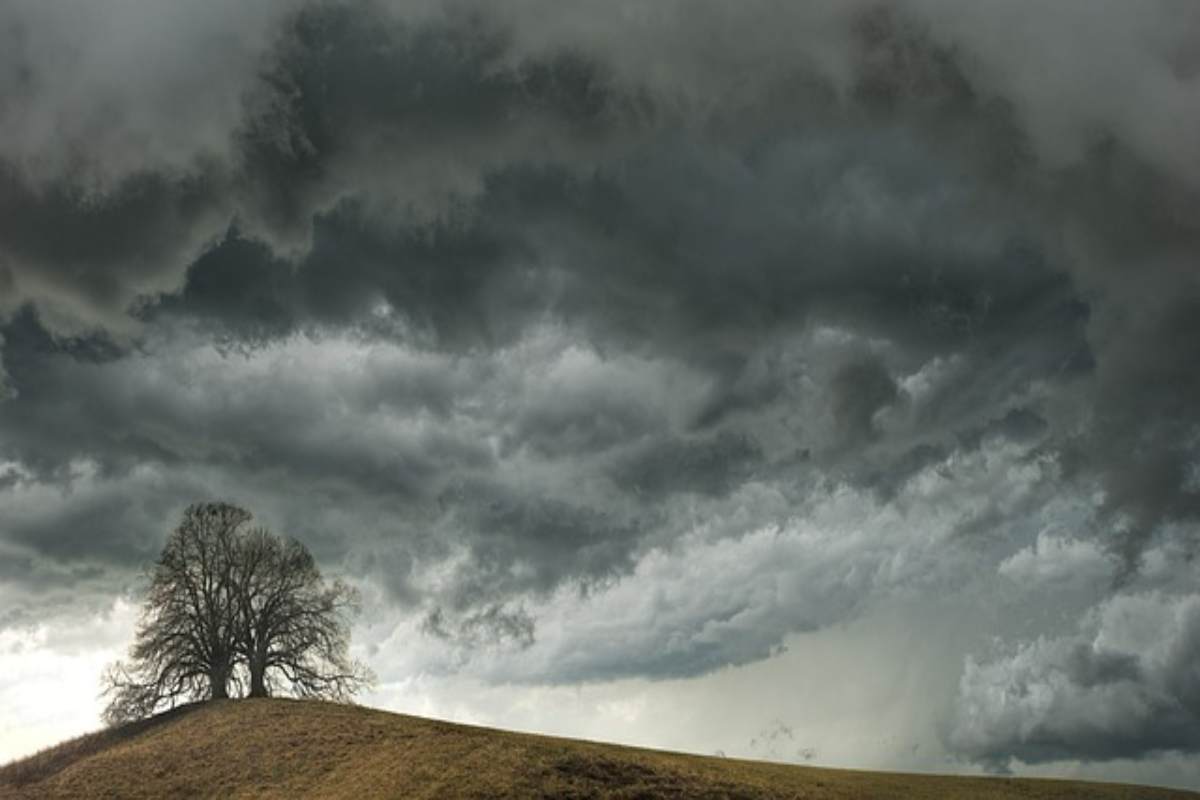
(289, 748)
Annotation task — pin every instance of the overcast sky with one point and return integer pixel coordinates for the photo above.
(806, 381)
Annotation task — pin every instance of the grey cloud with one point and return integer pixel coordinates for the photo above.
(6, 390)
(76, 542)
(315, 131)
(744, 385)
(85, 258)
(886, 475)
(1019, 424)
(493, 625)
(522, 542)
(1144, 436)
(104, 525)
(292, 127)
(711, 465)
(1088, 667)
(311, 127)
(1131, 227)
(1059, 559)
(431, 101)
(1059, 67)
(96, 94)
(181, 402)
(859, 389)
(771, 564)
(114, 173)
(585, 406)
(1124, 686)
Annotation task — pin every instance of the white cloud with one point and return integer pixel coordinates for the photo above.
(1123, 686)
(1059, 558)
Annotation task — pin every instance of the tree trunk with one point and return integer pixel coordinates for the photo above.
(218, 684)
(258, 677)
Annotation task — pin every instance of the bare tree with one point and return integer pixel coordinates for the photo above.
(185, 646)
(227, 605)
(293, 628)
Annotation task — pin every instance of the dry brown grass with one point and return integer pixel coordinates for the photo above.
(288, 749)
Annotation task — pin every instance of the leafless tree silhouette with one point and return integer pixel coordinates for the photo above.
(185, 643)
(229, 606)
(293, 628)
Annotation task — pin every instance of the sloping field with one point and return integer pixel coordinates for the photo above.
(288, 748)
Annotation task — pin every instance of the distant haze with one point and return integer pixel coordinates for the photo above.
(806, 381)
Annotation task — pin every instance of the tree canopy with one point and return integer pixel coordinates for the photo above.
(231, 610)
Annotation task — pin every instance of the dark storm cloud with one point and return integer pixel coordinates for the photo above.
(84, 254)
(485, 302)
(342, 101)
(859, 390)
(114, 172)
(105, 529)
(710, 466)
(679, 241)
(520, 543)
(6, 390)
(1146, 423)
(191, 408)
(353, 97)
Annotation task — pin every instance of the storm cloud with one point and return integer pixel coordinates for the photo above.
(1124, 686)
(627, 342)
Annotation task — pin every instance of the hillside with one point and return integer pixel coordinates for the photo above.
(286, 748)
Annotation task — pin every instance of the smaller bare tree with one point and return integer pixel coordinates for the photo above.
(185, 645)
(293, 628)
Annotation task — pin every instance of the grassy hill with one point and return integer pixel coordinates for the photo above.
(288, 748)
